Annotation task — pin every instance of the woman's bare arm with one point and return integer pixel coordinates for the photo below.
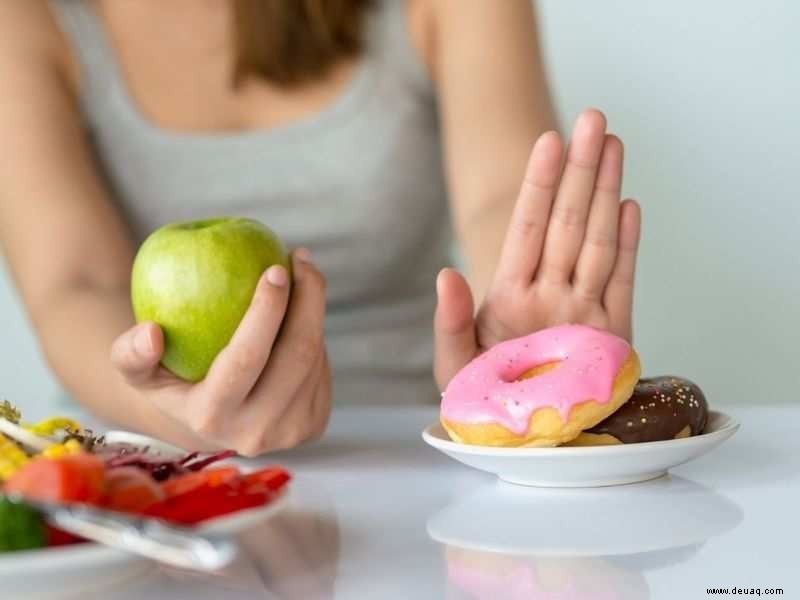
(494, 103)
(70, 256)
(67, 248)
(546, 243)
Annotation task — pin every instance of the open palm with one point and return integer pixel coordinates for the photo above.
(569, 255)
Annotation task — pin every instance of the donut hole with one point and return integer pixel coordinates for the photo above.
(539, 370)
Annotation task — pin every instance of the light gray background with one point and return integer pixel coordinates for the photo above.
(706, 97)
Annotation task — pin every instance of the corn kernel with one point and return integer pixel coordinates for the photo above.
(73, 446)
(54, 451)
(50, 426)
(12, 457)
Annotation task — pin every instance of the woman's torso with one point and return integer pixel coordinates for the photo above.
(359, 182)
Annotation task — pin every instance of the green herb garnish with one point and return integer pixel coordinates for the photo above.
(9, 412)
(21, 527)
(87, 439)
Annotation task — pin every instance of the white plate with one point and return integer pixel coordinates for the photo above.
(137, 439)
(66, 570)
(588, 466)
(69, 571)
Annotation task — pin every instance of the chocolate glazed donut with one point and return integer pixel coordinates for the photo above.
(661, 408)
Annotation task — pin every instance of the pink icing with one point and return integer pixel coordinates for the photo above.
(487, 390)
(522, 579)
(518, 581)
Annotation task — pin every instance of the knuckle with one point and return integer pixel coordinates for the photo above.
(602, 241)
(501, 297)
(571, 217)
(259, 300)
(321, 425)
(526, 226)
(121, 352)
(250, 448)
(623, 281)
(305, 350)
(265, 298)
(116, 354)
(290, 439)
(556, 273)
(610, 186)
(244, 359)
(205, 423)
(588, 293)
(323, 282)
(317, 280)
(538, 183)
(314, 433)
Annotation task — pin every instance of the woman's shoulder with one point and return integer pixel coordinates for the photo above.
(30, 36)
(425, 25)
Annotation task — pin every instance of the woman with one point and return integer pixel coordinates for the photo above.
(354, 129)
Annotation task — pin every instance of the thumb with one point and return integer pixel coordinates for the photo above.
(455, 343)
(137, 352)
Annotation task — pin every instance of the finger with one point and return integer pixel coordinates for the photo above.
(619, 292)
(522, 246)
(455, 343)
(137, 352)
(271, 423)
(599, 251)
(321, 407)
(237, 367)
(283, 398)
(297, 420)
(571, 207)
(300, 343)
(289, 564)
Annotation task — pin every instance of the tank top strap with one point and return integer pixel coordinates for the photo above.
(99, 72)
(389, 38)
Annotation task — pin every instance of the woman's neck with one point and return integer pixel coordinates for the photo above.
(194, 30)
(178, 60)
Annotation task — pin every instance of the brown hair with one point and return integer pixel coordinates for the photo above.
(293, 41)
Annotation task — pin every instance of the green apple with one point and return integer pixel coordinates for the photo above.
(196, 280)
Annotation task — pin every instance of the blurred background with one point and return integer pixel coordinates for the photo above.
(706, 97)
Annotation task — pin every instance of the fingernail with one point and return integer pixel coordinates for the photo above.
(304, 254)
(277, 276)
(590, 115)
(142, 342)
(440, 280)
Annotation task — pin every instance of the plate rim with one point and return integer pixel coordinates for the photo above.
(121, 436)
(542, 552)
(565, 551)
(728, 428)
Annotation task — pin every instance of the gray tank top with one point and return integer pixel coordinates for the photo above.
(360, 184)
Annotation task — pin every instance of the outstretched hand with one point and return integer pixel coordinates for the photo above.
(569, 254)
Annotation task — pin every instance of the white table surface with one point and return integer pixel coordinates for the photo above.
(367, 498)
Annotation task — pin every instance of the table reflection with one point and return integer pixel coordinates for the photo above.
(296, 554)
(484, 575)
(578, 544)
(293, 555)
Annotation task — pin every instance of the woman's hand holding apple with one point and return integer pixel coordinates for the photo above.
(269, 388)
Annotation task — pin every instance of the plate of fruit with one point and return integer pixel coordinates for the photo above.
(58, 461)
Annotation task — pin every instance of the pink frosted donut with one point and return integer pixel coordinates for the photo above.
(542, 389)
